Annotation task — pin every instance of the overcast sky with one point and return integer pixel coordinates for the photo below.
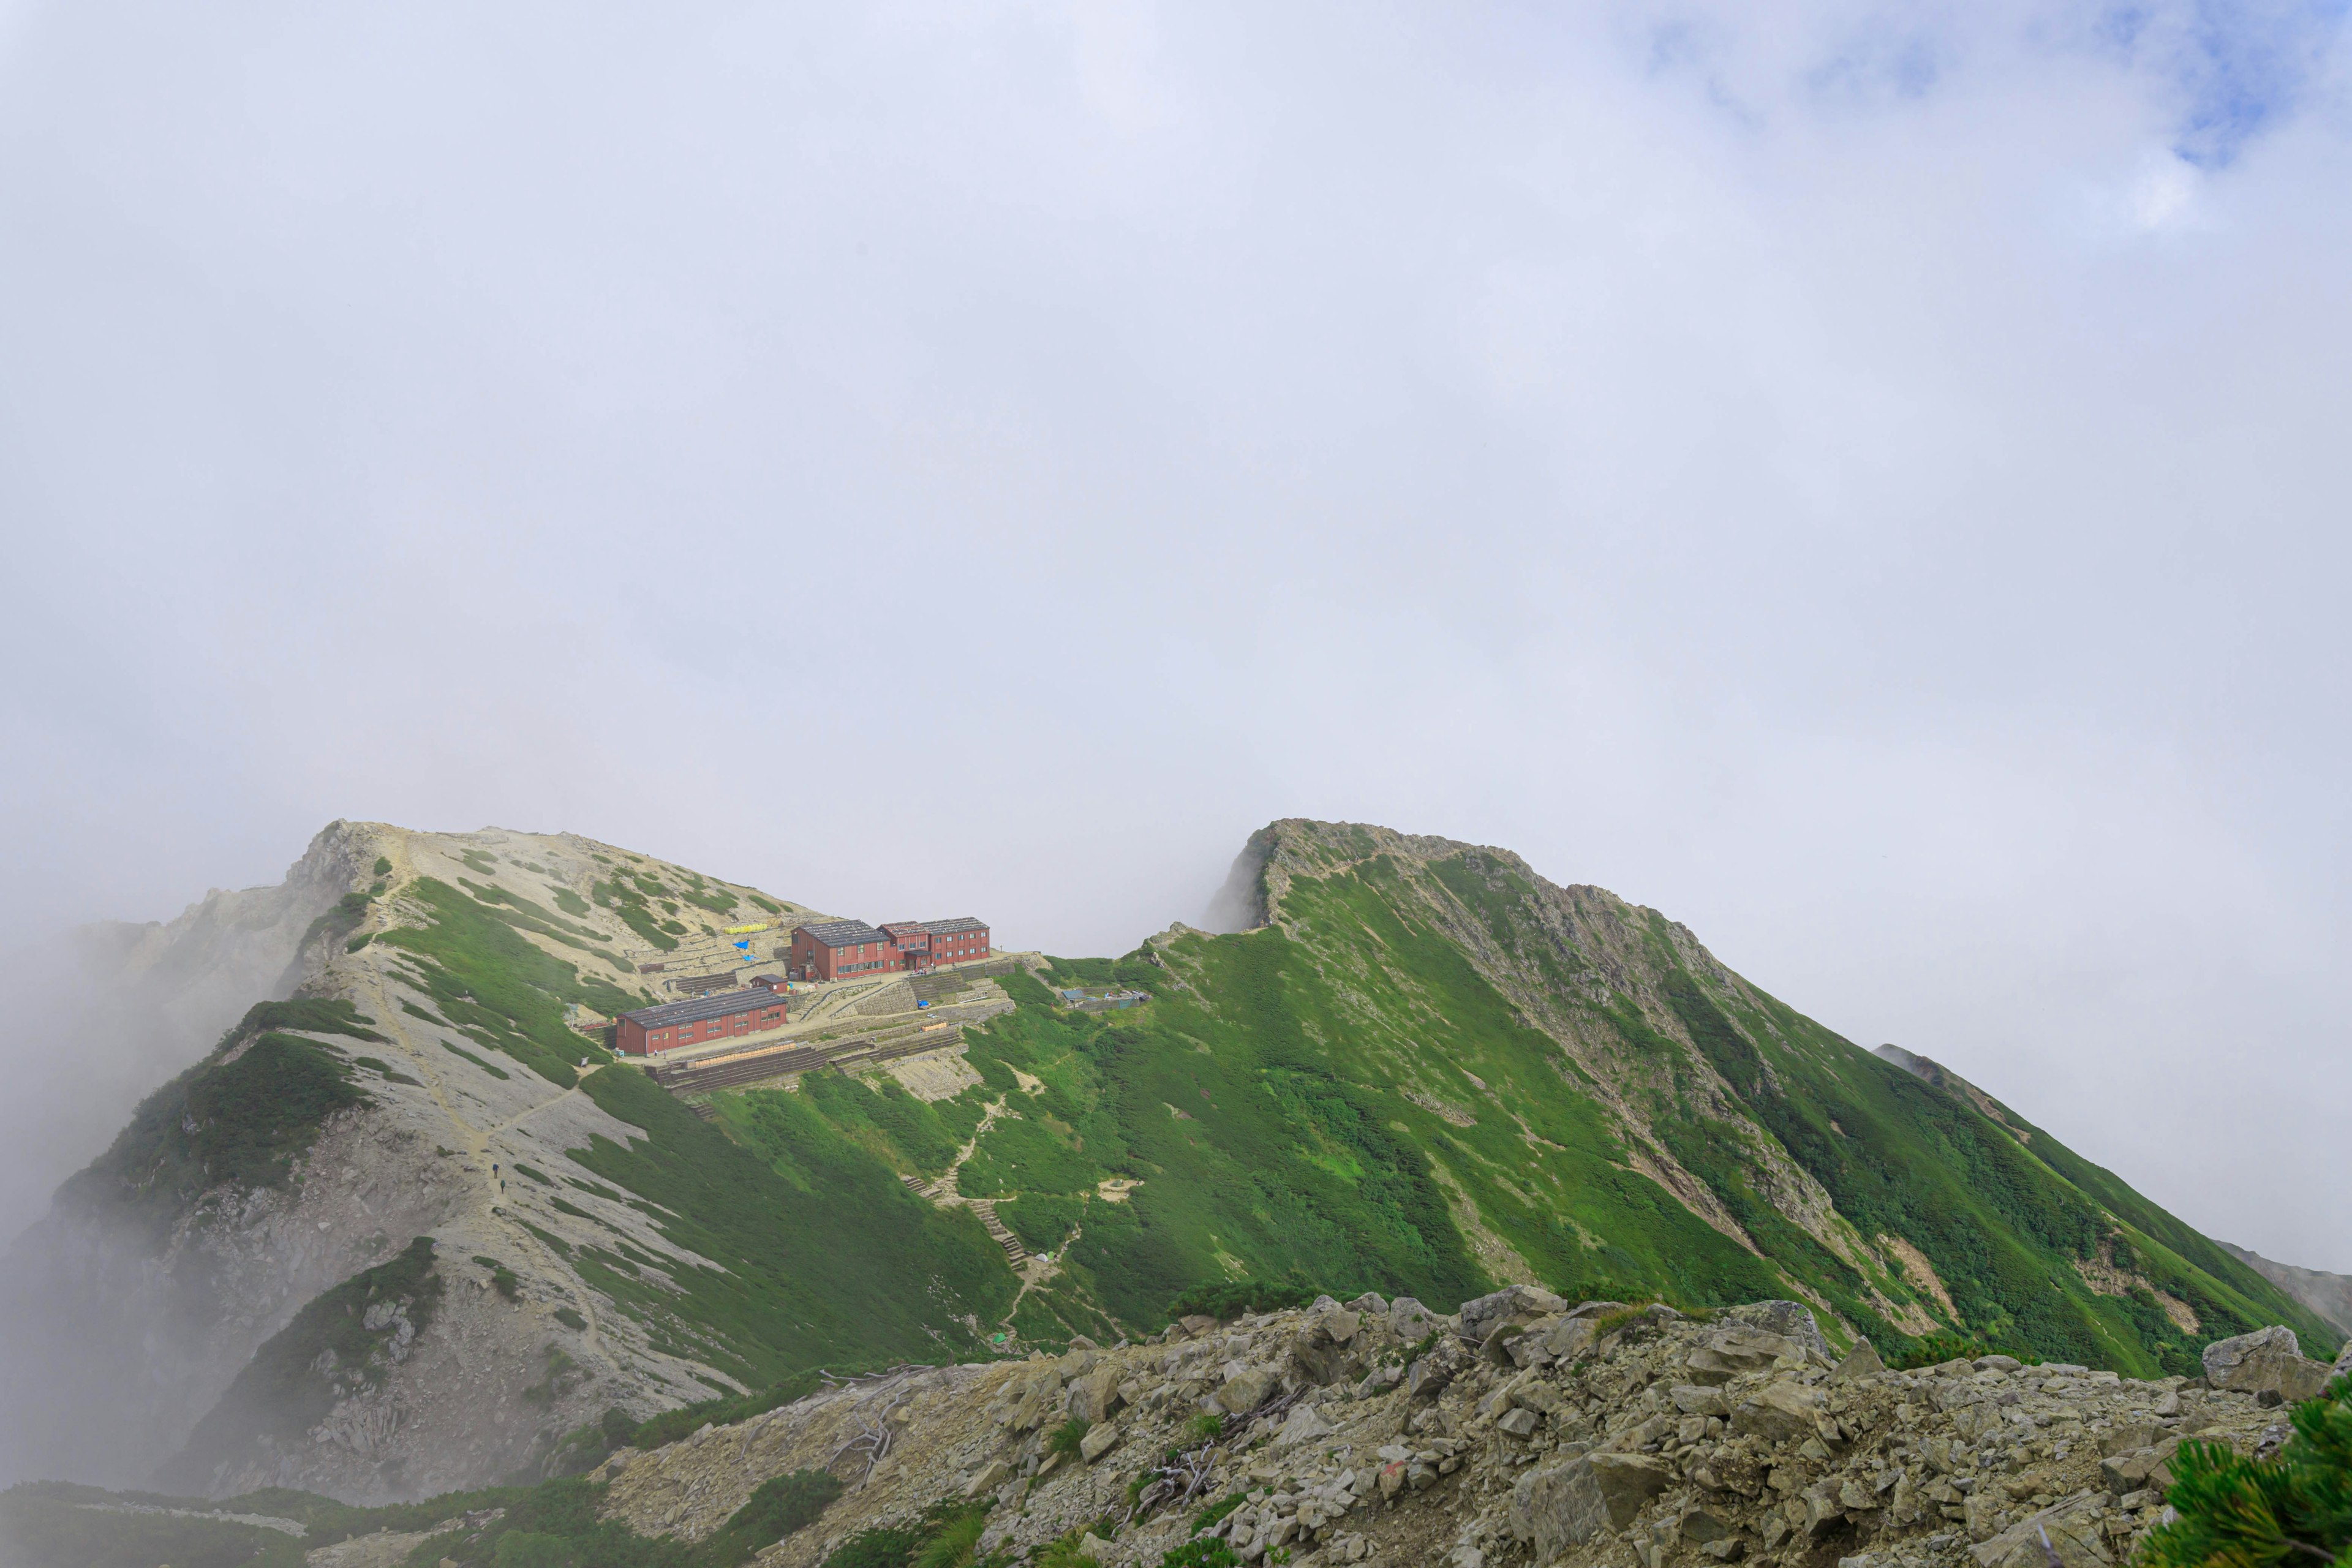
(1866, 480)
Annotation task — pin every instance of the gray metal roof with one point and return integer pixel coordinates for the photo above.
(698, 1009)
(947, 928)
(841, 934)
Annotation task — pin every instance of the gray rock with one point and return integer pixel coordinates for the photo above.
(1789, 1319)
(1095, 1396)
(1861, 1362)
(1997, 1363)
(2072, 1529)
(1778, 1412)
(1730, 1351)
(1518, 1421)
(1372, 1304)
(2130, 1438)
(2139, 1468)
(1029, 1396)
(1099, 1441)
(1304, 1425)
(1411, 1321)
(1565, 1506)
(1246, 1390)
(1699, 1527)
(1698, 1399)
(1538, 1395)
(1569, 1338)
(2343, 1366)
(1482, 1317)
(2268, 1361)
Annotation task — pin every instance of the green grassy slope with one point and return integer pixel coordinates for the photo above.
(821, 1255)
(1434, 1071)
(1732, 1086)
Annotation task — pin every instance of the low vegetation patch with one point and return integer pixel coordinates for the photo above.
(239, 1119)
(494, 986)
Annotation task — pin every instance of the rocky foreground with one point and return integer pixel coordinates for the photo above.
(1521, 1429)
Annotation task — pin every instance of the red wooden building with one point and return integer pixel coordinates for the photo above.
(959, 940)
(844, 950)
(699, 1020)
(840, 950)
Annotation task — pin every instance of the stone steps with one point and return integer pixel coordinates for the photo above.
(1014, 1253)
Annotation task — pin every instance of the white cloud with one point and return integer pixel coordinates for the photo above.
(1594, 436)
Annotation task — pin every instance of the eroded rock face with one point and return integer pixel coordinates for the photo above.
(2268, 1361)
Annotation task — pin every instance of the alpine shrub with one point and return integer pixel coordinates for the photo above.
(2234, 1512)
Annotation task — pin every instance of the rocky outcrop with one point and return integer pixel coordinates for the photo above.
(1614, 1449)
(2266, 1361)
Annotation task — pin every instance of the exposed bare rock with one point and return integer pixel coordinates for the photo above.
(2268, 1361)
(1612, 1452)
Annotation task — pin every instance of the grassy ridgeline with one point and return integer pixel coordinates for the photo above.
(1331, 1100)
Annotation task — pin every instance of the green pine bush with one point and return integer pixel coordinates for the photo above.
(2234, 1512)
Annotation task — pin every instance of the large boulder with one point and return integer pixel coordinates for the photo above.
(2343, 1366)
(1566, 1505)
(1861, 1362)
(1093, 1396)
(1411, 1321)
(1330, 1348)
(1247, 1389)
(1778, 1412)
(1698, 1399)
(2268, 1361)
(2072, 1529)
(1729, 1351)
(1524, 1303)
(1789, 1319)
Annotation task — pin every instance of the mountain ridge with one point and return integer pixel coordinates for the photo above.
(1421, 1068)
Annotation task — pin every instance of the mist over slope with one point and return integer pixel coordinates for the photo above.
(409, 1227)
(238, 1267)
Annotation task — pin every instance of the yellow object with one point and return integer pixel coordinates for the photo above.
(742, 931)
